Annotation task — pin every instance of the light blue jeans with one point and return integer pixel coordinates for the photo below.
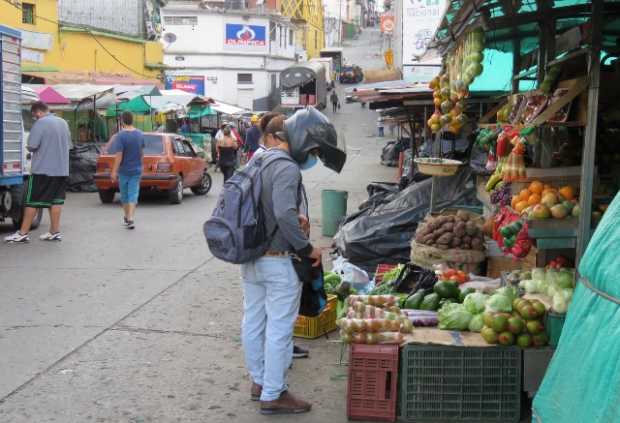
(129, 187)
(271, 291)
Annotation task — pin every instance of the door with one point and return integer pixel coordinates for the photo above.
(182, 161)
(245, 98)
(195, 163)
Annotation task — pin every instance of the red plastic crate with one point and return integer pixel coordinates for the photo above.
(373, 382)
(382, 269)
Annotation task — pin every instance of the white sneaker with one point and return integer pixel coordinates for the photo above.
(51, 237)
(17, 237)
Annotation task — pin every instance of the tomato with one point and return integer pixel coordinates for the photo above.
(449, 273)
(455, 278)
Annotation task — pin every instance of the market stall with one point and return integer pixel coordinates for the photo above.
(488, 290)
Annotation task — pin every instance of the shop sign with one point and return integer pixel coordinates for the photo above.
(191, 84)
(420, 21)
(245, 35)
(420, 74)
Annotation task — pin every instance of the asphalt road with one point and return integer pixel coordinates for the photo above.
(137, 326)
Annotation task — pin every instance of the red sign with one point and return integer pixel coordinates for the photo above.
(387, 23)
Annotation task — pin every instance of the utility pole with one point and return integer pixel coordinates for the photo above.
(340, 24)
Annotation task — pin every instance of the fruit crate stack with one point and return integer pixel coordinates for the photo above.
(372, 391)
(460, 384)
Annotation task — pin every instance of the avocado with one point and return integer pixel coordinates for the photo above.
(430, 302)
(414, 301)
(447, 289)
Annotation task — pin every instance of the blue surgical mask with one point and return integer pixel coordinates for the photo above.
(311, 160)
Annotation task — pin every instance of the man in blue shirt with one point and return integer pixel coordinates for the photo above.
(127, 168)
(252, 137)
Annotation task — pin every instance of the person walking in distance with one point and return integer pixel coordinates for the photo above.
(49, 142)
(127, 168)
(335, 101)
(226, 148)
(252, 137)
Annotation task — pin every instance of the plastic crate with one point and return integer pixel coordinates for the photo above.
(313, 327)
(554, 325)
(372, 390)
(460, 384)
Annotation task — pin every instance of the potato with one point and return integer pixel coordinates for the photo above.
(467, 239)
(456, 242)
(463, 215)
(445, 238)
(471, 229)
(476, 243)
(448, 227)
(443, 246)
(465, 246)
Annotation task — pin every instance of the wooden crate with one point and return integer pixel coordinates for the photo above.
(498, 264)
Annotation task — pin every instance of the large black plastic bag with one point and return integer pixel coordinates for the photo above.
(82, 168)
(378, 192)
(382, 234)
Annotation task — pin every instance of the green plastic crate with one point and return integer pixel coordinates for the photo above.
(460, 384)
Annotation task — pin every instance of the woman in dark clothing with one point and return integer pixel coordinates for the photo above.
(227, 148)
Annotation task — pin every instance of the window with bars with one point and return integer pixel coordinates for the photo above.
(181, 20)
(28, 13)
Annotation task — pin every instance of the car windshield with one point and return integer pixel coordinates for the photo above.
(153, 144)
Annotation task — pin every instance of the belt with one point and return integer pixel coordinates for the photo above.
(277, 254)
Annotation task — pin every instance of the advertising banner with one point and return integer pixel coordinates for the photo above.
(191, 84)
(420, 21)
(241, 35)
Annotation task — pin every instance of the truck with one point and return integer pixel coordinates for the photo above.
(303, 84)
(336, 54)
(13, 156)
(330, 70)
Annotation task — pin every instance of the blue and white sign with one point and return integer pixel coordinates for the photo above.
(245, 35)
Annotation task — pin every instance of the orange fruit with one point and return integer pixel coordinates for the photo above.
(524, 194)
(534, 199)
(520, 206)
(536, 187)
(515, 200)
(567, 192)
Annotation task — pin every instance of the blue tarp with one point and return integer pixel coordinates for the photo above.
(582, 383)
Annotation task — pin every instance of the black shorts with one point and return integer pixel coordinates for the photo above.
(45, 191)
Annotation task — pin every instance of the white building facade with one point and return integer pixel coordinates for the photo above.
(234, 56)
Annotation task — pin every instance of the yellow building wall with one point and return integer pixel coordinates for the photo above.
(311, 36)
(78, 51)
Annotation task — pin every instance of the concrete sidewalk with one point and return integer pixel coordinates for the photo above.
(113, 326)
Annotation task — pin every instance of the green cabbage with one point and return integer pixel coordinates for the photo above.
(497, 302)
(508, 291)
(453, 316)
(474, 303)
(476, 323)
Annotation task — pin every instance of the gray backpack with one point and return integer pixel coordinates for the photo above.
(236, 231)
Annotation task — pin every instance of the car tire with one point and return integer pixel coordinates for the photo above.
(175, 195)
(107, 195)
(18, 197)
(205, 185)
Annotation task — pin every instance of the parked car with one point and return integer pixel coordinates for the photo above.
(171, 164)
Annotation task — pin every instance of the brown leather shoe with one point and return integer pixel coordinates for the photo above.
(255, 392)
(286, 404)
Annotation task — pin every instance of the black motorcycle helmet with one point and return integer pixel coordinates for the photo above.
(308, 130)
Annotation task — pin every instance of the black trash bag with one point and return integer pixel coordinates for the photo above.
(307, 130)
(313, 296)
(378, 192)
(82, 168)
(383, 234)
(390, 153)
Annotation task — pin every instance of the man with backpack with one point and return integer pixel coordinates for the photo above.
(263, 239)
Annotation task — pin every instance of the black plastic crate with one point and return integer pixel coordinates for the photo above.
(460, 384)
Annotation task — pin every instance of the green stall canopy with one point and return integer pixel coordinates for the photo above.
(136, 105)
(198, 111)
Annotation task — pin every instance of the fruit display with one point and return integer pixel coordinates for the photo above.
(511, 233)
(501, 195)
(451, 231)
(374, 319)
(451, 86)
(542, 201)
(557, 283)
(522, 325)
